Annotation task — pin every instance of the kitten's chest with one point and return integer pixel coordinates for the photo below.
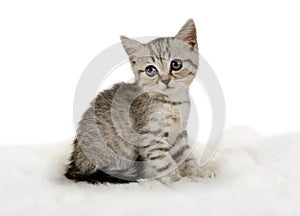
(168, 120)
(160, 117)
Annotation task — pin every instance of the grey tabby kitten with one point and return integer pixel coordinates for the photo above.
(137, 130)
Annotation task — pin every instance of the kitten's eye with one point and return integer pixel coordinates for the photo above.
(176, 65)
(151, 71)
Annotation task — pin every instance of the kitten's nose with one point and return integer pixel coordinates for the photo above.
(166, 81)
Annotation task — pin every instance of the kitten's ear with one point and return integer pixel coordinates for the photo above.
(133, 48)
(188, 33)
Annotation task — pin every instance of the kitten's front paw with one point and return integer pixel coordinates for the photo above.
(192, 170)
(211, 170)
(196, 173)
(206, 173)
(170, 178)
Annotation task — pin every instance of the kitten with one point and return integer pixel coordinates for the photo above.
(138, 130)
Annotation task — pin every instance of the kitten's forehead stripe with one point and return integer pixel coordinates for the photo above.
(153, 59)
(169, 48)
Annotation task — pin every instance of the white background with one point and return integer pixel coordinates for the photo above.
(253, 47)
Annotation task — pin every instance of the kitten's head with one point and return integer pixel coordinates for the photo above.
(167, 64)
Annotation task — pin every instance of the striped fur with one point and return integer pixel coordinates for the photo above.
(137, 131)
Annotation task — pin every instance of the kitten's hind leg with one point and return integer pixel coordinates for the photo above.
(81, 169)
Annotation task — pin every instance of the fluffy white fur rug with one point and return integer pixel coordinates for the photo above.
(256, 176)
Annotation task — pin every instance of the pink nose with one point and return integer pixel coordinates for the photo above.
(166, 81)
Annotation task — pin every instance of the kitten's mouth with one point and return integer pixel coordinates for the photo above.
(168, 87)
